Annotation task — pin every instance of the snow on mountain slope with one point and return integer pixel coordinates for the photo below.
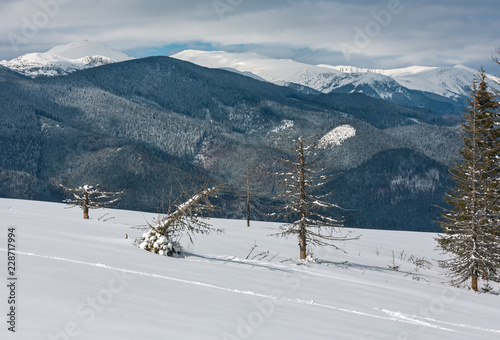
(65, 59)
(445, 81)
(449, 82)
(81, 49)
(7, 74)
(389, 72)
(286, 71)
(83, 279)
(272, 70)
(337, 136)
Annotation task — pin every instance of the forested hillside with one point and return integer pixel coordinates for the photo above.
(147, 125)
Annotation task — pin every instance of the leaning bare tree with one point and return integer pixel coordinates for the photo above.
(303, 208)
(183, 218)
(91, 197)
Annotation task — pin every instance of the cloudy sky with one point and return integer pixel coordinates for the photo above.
(364, 33)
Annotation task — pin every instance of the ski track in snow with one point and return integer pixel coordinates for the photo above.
(417, 319)
(392, 316)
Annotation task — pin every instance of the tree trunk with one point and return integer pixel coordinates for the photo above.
(302, 245)
(248, 200)
(86, 206)
(474, 283)
(248, 214)
(303, 198)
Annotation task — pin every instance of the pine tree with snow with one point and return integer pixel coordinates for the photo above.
(488, 103)
(471, 227)
(303, 208)
(91, 197)
(495, 152)
(183, 219)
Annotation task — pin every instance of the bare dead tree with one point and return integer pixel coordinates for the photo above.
(185, 217)
(303, 209)
(249, 193)
(91, 197)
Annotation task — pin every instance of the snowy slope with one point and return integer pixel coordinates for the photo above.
(286, 71)
(7, 74)
(82, 279)
(272, 70)
(65, 59)
(337, 136)
(86, 48)
(449, 82)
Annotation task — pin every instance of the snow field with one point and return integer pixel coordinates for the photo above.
(82, 279)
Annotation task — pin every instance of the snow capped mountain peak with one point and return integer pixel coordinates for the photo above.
(222, 56)
(451, 82)
(85, 48)
(287, 71)
(495, 80)
(65, 59)
(389, 72)
(278, 71)
(463, 67)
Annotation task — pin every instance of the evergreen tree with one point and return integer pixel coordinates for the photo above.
(488, 103)
(471, 226)
(303, 208)
(495, 153)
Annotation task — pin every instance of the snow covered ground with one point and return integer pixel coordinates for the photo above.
(82, 279)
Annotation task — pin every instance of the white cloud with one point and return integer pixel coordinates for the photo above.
(421, 32)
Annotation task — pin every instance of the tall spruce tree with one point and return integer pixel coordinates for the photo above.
(496, 158)
(491, 143)
(304, 208)
(471, 226)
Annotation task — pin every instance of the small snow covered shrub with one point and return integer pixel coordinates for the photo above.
(157, 243)
(311, 258)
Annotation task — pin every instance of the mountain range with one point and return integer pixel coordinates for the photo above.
(442, 90)
(65, 59)
(451, 82)
(146, 125)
